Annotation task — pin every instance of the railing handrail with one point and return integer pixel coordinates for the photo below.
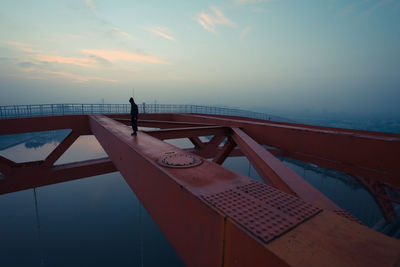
(33, 110)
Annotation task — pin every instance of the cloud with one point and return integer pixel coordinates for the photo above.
(160, 31)
(17, 44)
(122, 33)
(209, 22)
(118, 55)
(90, 4)
(75, 77)
(244, 32)
(79, 61)
(101, 61)
(22, 46)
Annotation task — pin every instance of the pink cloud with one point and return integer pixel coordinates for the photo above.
(75, 77)
(161, 31)
(122, 33)
(79, 61)
(17, 44)
(209, 22)
(118, 55)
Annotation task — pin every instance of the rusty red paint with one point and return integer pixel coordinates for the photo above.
(207, 203)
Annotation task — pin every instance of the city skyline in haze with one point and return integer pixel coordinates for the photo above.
(333, 56)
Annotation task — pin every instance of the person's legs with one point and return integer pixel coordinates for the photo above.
(135, 130)
(134, 126)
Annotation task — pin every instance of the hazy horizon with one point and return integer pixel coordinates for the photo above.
(275, 55)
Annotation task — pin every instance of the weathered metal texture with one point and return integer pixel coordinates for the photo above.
(369, 151)
(35, 174)
(221, 237)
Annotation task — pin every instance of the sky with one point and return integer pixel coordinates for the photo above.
(294, 55)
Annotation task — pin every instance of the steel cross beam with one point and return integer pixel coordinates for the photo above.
(35, 174)
(78, 124)
(188, 132)
(60, 149)
(215, 217)
(377, 152)
(161, 124)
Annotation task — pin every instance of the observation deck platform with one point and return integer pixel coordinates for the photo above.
(213, 216)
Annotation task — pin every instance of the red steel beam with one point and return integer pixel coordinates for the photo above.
(340, 166)
(382, 199)
(277, 174)
(377, 190)
(188, 204)
(6, 165)
(36, 175)
(225, 151)
(377, 134)
(161, 124)
(60, 149)
(196, 142)
(188, 132)
(365, 150)
(78, 123)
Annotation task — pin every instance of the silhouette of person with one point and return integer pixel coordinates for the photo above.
(134, 115)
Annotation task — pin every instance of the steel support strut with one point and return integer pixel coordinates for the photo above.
(277, 174)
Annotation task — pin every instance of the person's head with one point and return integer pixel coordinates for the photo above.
(131, 100)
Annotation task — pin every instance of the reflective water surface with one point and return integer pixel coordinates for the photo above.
(98, 221)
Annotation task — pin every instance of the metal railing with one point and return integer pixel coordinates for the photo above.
(20, 111)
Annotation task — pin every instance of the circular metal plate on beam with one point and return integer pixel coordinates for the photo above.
(179, 160)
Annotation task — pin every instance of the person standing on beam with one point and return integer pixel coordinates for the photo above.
(134, 116)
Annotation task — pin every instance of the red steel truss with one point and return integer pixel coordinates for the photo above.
(215, 217)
